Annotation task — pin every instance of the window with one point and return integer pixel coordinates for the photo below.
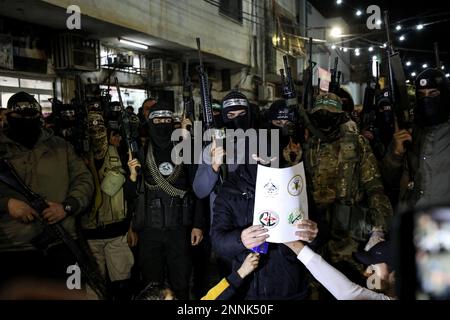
(42, 90)
(232, 9)
(130, 96)
(36, 84)
(125, 61)
(9, 82)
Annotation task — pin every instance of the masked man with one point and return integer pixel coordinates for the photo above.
(234, 114)
(422, 171)
(383, 125)
(346, 184)
(284, 119)
(167, 219)
(107, 226)
(213, 168)
(50, 167)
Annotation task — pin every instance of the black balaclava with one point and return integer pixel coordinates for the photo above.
(288, 132)
(24, 119)
(347, 101)
(234, 101)
(328, 116)
(385, 118)
(112, 115)
(65, 116)
(280, 111)
(160, 134)
(432, 111)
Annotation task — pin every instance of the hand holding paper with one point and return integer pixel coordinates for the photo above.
(280, 203)
(307, 230)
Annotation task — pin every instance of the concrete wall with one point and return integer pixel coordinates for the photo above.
(176, 21)
(289, 5)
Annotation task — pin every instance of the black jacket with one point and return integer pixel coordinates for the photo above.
(279, 275)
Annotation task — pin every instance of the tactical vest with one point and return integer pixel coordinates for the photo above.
(335, 170)
(166, 206)
(335, 174)
(107, 210)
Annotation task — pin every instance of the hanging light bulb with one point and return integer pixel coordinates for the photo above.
(408, 63)
(413, 74)
(425, 66)
(333, 47)
(370, 49)
(398, 28)
(338, 1)
(345, 49)
(402, 38)
(419, 27)
(358, 13)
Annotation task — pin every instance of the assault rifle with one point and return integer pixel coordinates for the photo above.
(335, 78)
(290, 94)
(397, 82)
(369, 103)
(188, 101)
(81, 131)
(208, 119)
(125, 127)
(52, 232)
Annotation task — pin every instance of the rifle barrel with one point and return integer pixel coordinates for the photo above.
(436, 53)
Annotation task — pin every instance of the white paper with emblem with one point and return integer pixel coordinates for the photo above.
(280, 201)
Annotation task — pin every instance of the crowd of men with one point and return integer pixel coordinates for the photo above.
(146, 223)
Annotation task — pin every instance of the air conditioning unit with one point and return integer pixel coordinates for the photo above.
(164, 72)
(74, 52)
(266, 93)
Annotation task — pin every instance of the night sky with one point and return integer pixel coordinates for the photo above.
(430, 11)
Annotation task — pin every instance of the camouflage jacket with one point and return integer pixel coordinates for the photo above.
(53, 170)
(345, 173)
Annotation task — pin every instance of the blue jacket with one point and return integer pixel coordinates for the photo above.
(279, 275)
